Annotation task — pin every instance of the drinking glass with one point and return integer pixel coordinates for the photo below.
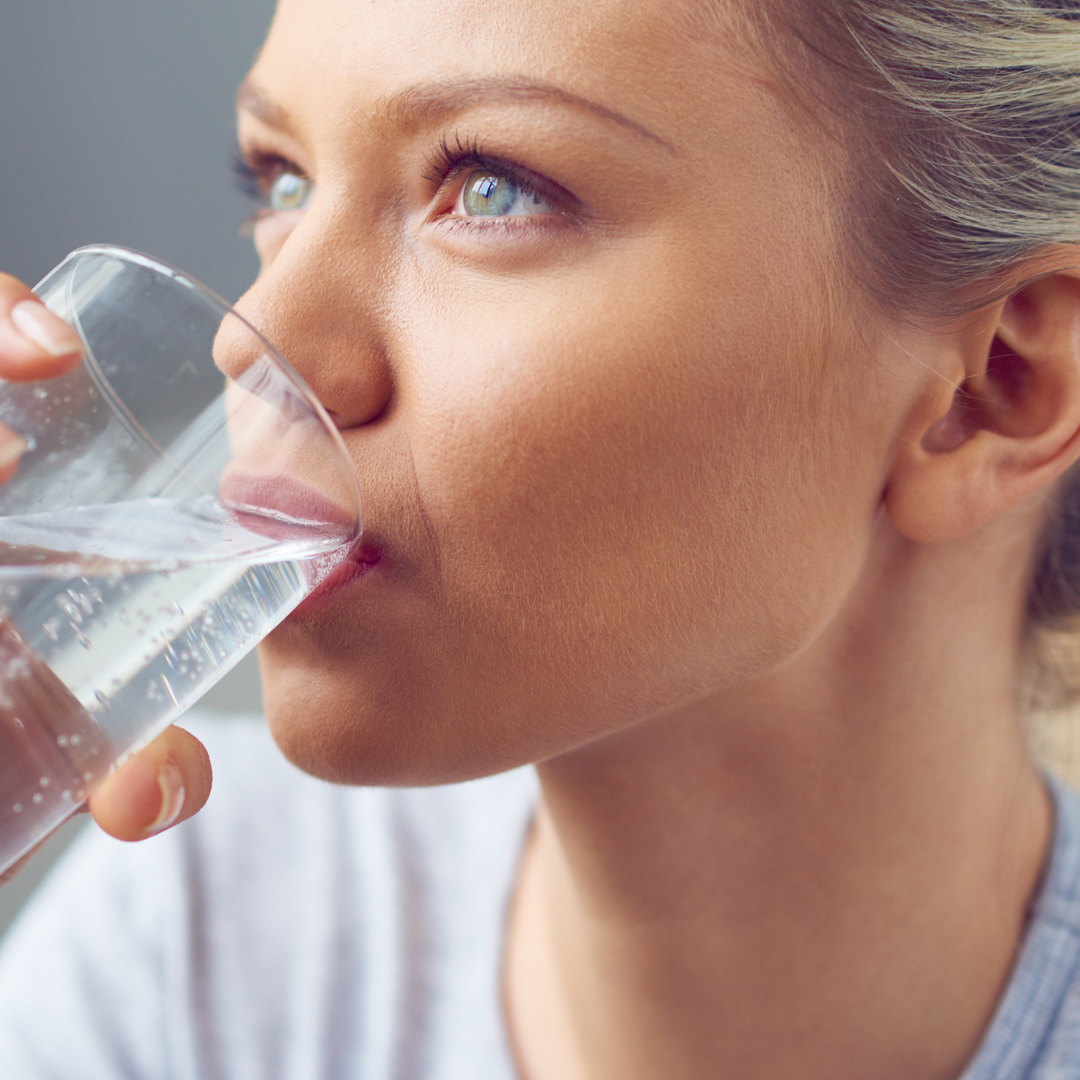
(182, 493)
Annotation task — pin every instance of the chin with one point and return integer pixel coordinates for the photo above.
(348, 729)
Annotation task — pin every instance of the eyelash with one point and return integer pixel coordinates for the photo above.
(451, 159)
(254, 172)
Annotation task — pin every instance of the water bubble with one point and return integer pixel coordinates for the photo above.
(88, 776)
(102, 700)
(19, 724)
(31, 443)
(17, 808)
(185, 656)
(82, 600)
(75, 740)
(44, 781)
(83, 640)
(38, 798)
(61, 740)
(52, 629)
(80, 794)
(65, 795)
(41, 393)
(93, 752)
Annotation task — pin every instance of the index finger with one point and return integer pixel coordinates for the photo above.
(34, 343)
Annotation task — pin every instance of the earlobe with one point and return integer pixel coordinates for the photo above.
(1000, 421)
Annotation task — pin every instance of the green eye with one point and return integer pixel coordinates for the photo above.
(290, 191)
(487, 194)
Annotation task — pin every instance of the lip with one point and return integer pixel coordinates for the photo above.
(277, 506)
(359, 564)
(283, 497)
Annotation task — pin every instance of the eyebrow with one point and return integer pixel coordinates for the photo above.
(430, 102)
(251, 98)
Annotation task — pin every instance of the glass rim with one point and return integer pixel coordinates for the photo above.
(220, 304)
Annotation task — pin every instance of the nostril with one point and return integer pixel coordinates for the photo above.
(357, 390)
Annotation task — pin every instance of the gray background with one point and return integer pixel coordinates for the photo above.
(116, 126)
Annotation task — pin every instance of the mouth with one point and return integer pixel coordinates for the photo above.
(271, 504)
(362, 560)
(284, 509)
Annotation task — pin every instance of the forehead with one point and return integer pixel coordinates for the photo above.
(654, 61)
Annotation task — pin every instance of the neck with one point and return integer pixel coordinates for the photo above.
(823, 874)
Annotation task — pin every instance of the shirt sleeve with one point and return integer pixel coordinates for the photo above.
(81, 986)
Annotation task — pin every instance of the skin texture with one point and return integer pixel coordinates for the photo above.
(659, 501)
(526, 451)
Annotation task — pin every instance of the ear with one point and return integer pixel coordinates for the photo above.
(1002, 423)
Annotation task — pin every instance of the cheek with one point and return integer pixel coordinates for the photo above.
(630, 486)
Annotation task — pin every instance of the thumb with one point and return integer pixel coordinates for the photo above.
(160, 786)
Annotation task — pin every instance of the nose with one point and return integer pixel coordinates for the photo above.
(316, 304)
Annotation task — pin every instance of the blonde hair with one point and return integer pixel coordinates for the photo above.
(963, 125)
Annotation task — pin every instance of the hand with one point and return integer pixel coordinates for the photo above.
(170, 779)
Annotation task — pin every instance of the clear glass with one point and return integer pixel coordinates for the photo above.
(182, 494)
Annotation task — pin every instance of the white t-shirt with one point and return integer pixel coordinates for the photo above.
(298, 931)
(292, 930)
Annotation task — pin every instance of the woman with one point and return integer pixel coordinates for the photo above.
(713, 374)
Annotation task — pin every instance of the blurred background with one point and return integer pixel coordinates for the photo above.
(116, 126)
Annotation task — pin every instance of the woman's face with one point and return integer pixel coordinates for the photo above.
(564, 283)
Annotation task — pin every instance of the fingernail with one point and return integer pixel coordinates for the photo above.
(46, 330)
(172, 798)
(11, 450)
